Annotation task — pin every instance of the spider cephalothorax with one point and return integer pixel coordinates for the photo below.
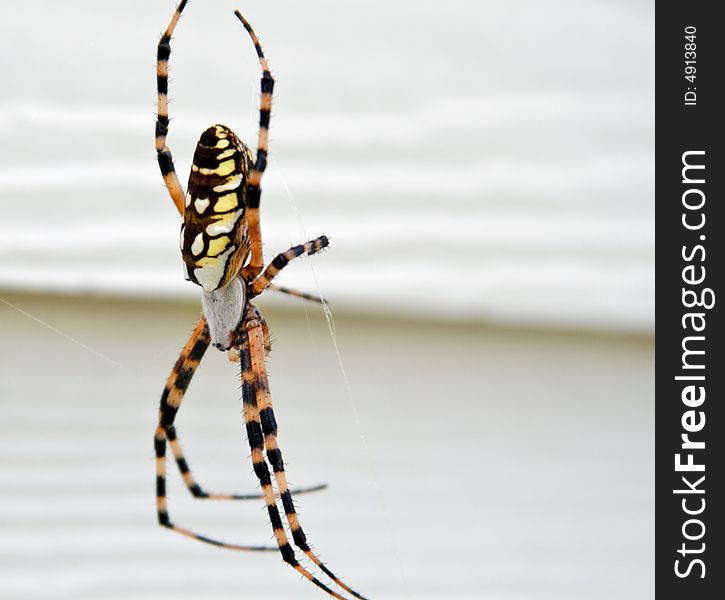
(221, 247)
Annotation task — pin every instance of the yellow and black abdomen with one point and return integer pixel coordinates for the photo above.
(214, 241)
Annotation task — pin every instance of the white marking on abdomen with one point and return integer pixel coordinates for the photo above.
(225, 224)
(198, 245)
(232, 184)
(200, 204)
(211, 271)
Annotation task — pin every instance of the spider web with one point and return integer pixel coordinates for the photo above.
(63, 334)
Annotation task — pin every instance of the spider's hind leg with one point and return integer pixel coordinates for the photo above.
(198, 492)
(173, 394)
(262, 434)
(170, 401)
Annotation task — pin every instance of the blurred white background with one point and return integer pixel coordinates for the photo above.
(485, 172)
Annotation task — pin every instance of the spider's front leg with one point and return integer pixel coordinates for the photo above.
(166, 161)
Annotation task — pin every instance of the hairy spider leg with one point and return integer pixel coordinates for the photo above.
(183, 367)
(198, 492)
(254, 192)
(295, 294)
(251, 383)
(174, 390)
(166, 160)
(282, 260)
(253, 359)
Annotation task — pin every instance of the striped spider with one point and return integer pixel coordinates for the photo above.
(221, 246)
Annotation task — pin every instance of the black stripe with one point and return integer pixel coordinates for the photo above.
(183, 465)
(159, 447)
(163, 517)
(274, 517)
(162, 126)
(264, 119)
(166, 163)
(197, 492)
(206, 161)
(209, 160)
(289, 507)
(275, 459)
(171, 433)
(319, 244)
(280, 262)
(197, 352)
(254, 435)
(269, 423)
(301, 541)
(160, 485)
(261, 163)
(253, 195)
(183, 378)
(209, 137)
(168, 414)
(249, 396)
(288, 555)
(267, 82)
(164, 50)
(262, 472)
(162, 84)
(165, 396)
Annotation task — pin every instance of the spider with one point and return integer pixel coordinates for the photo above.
(221, 247)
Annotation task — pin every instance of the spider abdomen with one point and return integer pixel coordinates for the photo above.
(214, 241)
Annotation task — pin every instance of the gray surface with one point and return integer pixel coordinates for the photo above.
(496, 464)
(504, 146)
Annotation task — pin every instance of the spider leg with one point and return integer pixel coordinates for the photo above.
(166, 161)
(282, 260)
(198, 492)
(262, 432)
(256, 444)
(302, 295)
(254, 192)
(173, 394)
